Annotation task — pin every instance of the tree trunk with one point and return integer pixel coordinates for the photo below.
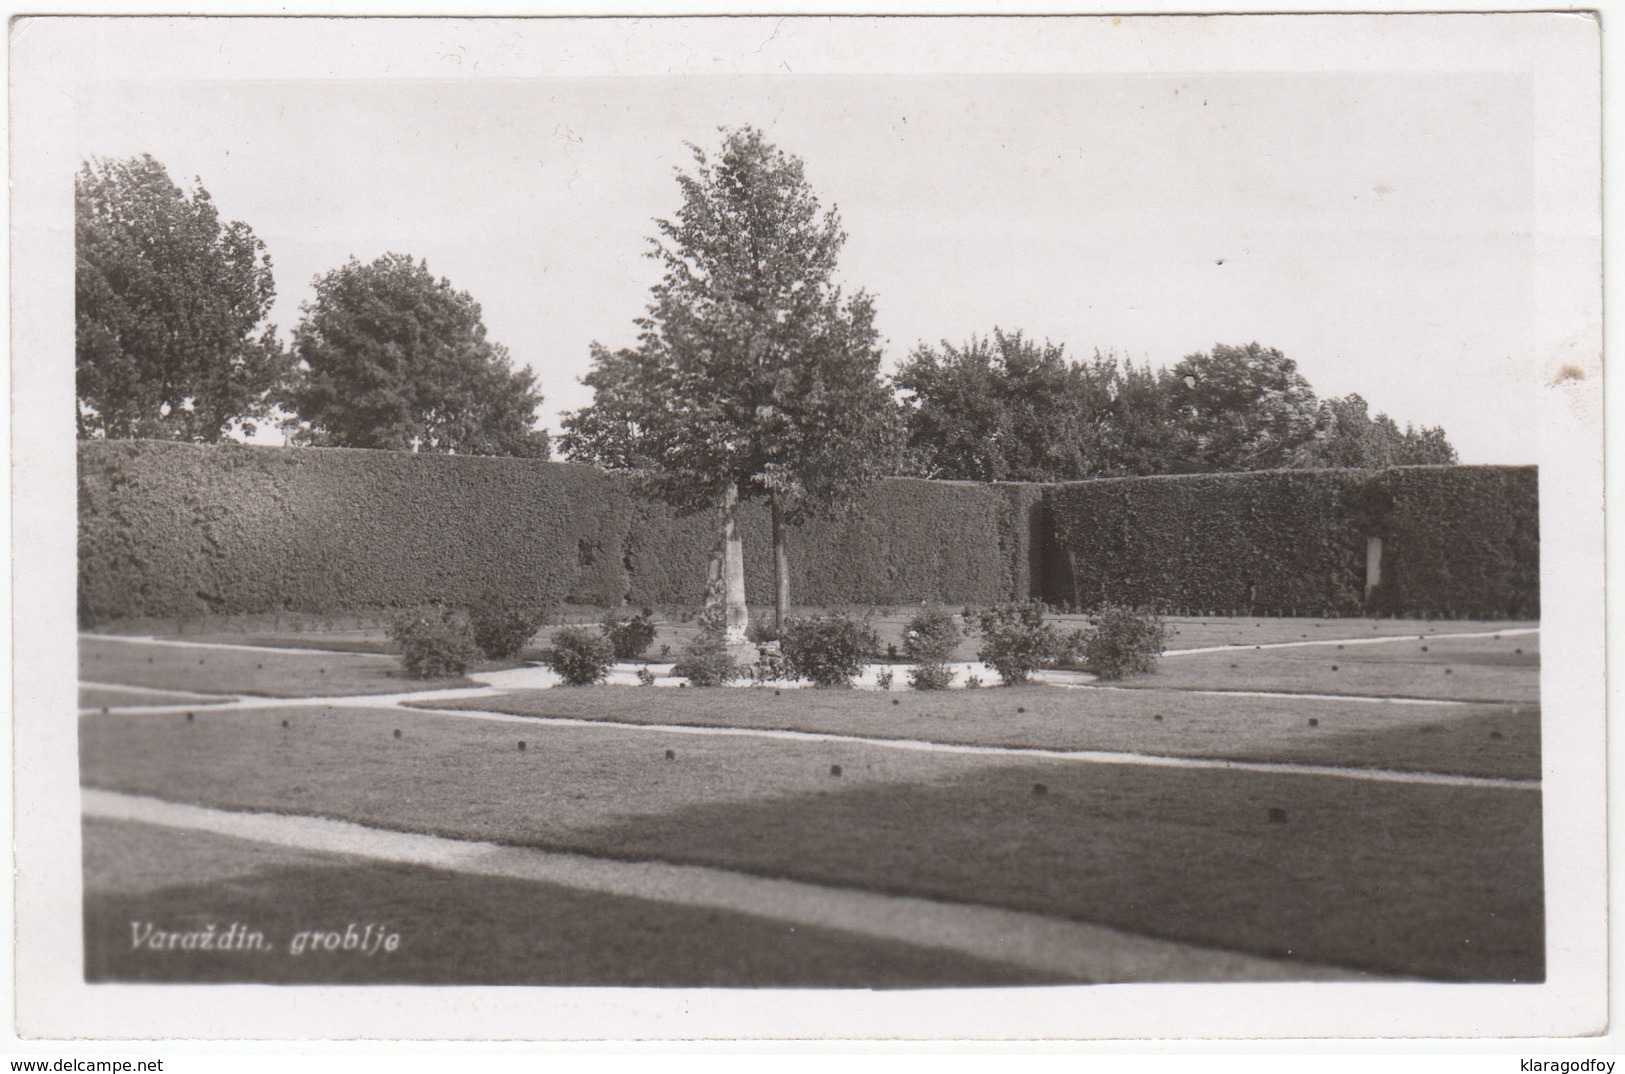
(781, 570)
(733, 568)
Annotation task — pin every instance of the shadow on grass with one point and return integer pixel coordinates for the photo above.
(456, 929)
(1425, 881)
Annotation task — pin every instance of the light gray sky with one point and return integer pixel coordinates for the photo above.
(1378, 227)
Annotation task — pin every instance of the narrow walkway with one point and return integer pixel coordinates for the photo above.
(1510, 633)
(1368, 699)
(159, 691)
(132, 639)
(1069, 949)
(1026, 753)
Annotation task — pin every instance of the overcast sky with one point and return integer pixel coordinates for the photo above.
(1379, 228)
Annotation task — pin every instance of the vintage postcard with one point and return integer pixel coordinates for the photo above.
(1056, 528)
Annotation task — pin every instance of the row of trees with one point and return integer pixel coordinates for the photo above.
(172, 343)
(753, 374)
(1003, 408)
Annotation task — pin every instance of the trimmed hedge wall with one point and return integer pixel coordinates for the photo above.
(1457, 541)
(177, 529)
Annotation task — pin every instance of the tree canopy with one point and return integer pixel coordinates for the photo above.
(754, 374)
(1003, 408)
(1242, 408)
(752, 368)
(1355, 439)
(167, 300)
(391, 357)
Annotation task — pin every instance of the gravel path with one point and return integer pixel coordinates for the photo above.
(1072, 949)
(1512, 633)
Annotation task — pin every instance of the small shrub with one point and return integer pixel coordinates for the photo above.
(435, 643)
(770, 664)
(883, 679)
(580, 655)
(973, 682)
(1124, 641)
(630, 637)
(645, 677)
(500, 629)
(1016, 641)
(931, 636)
(829, 650)
(935, 676)
(707, 662)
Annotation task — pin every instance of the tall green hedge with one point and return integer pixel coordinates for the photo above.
(1457, 541)
(1460, 541)
(174, 529)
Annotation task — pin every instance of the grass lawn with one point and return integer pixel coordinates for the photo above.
(1507, 669)
(107, 697)
(1489, 740)
(237, 671)
(1194, 633)
(1431, 881)
(454, 929)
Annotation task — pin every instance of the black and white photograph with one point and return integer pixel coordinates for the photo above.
(796, 527)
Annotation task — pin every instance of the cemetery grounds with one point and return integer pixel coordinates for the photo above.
(271, 800)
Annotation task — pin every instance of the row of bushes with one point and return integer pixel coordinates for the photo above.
(1457, 541)
(832, 650)
(176, 530)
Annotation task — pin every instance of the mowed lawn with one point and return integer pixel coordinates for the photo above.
(1433, 881)
(1478, 740)
(1505, 668)
(263, 673)
(453, 929)
(111, 697)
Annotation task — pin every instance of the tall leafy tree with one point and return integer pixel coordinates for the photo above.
(1003, 408)
(391, 357)
(168, 305)
(754, 373)
(1242, 408)
(1353, 438)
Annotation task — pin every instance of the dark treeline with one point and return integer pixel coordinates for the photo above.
(1003, 408)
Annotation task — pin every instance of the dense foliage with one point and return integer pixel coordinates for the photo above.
(167, 301)
(502, 630)
(1122, 641)
(1004, 408)
(931, 675)
(177, 529)
(1354, 439)
(630, 635)
(828, 650)
(1457, 541)
(434, 642)
(580, 655)
(391, 357)
(174, 529)
(932, 635)
(706, 661)
(1016, 641)
(753, 371)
